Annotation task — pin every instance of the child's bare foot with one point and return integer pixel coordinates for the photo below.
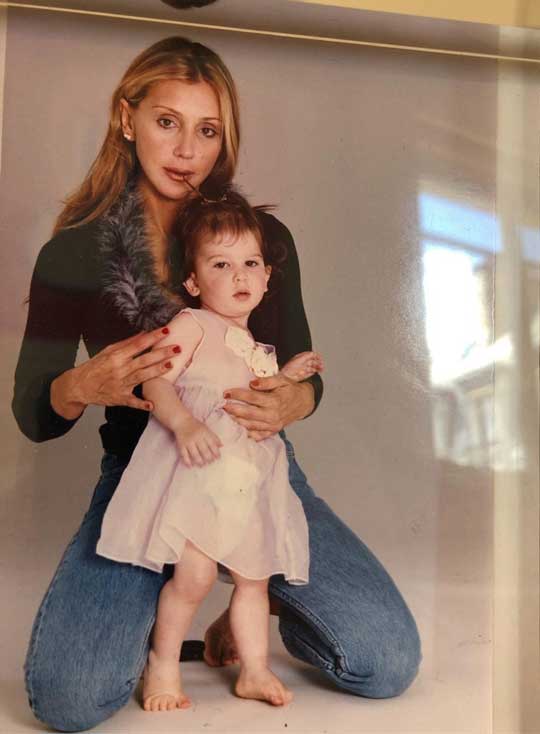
(162, 690)
(263, 685)
(219, 645)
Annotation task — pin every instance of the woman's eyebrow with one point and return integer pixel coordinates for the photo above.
(177, 112)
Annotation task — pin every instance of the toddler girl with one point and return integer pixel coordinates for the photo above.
(198, 490)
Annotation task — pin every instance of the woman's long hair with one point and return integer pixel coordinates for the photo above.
(171, 58)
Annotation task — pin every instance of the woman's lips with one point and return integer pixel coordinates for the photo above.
(178, 175)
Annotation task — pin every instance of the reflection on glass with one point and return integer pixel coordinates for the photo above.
(460, 245)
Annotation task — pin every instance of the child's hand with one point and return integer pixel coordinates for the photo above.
(197, 444)
(302, 366)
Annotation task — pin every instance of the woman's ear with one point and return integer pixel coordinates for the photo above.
(191, 285)
(128, 130)
(268, 271)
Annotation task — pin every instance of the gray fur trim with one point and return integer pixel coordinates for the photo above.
(129, 276)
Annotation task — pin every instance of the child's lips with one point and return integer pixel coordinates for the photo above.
(242, 295)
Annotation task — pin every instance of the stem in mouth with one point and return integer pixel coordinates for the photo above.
(186, 180)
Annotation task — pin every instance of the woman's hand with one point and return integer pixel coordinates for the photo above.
(197, 444)
(109, 377)
(271, 404)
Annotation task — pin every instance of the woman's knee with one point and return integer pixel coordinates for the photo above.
(64, 702)
(376, 663)
(384, 667)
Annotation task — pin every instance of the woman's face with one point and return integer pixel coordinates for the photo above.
(178, 132)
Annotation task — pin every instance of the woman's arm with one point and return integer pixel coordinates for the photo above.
(274, 402)
(49, 346)
(50, 394)
(293, 329)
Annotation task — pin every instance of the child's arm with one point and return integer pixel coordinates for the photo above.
(197, 443)
(302, 366)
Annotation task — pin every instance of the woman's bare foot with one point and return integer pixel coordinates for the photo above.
(162, 689)
(263, 685)
(219, 645)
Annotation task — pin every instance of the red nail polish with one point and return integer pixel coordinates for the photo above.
(176, 350)
(168, 365)
(226, 394)
(165, 330)
(255, 383)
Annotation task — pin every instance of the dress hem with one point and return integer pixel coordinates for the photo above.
(158, 567)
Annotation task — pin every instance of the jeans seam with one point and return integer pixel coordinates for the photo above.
(38, 626)
(309, 614)
(138, 664)
(299, 640)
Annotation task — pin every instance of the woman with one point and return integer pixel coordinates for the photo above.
(109, 275)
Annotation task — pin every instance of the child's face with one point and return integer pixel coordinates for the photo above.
(230, 276)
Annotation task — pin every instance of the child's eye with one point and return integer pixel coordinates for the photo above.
(220, 265)
(165, 122)
(252, 263)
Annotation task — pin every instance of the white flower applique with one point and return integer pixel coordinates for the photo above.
(260, 358)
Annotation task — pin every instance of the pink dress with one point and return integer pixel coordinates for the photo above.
(239, 510)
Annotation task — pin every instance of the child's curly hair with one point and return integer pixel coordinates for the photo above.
(230, 214)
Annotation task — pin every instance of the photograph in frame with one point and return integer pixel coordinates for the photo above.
(409, 183)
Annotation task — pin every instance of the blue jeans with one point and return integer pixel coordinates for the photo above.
(90, 638)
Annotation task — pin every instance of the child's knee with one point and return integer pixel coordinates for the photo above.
(194, 583)
(251, 586)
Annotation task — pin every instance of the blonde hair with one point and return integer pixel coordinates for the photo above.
(171, 58)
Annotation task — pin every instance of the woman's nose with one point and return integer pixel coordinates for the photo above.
(185, 146)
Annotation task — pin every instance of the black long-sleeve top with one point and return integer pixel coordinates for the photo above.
(67, 303)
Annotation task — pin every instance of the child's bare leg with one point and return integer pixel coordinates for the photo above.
(193, 578)
(249, 614)
(302, 366)
(219, 643)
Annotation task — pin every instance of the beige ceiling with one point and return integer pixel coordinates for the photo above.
(524, 13)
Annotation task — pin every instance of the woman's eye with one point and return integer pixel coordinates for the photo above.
(209, 132)
(165, 122)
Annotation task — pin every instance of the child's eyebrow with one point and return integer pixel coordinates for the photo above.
(221, 256)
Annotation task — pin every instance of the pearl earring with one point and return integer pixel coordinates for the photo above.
(128, 136)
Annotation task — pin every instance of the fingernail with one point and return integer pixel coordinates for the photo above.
(165, 330)
(226, 394)
(177, 350)
(255, 383)
(168, 365)
(148, 406)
